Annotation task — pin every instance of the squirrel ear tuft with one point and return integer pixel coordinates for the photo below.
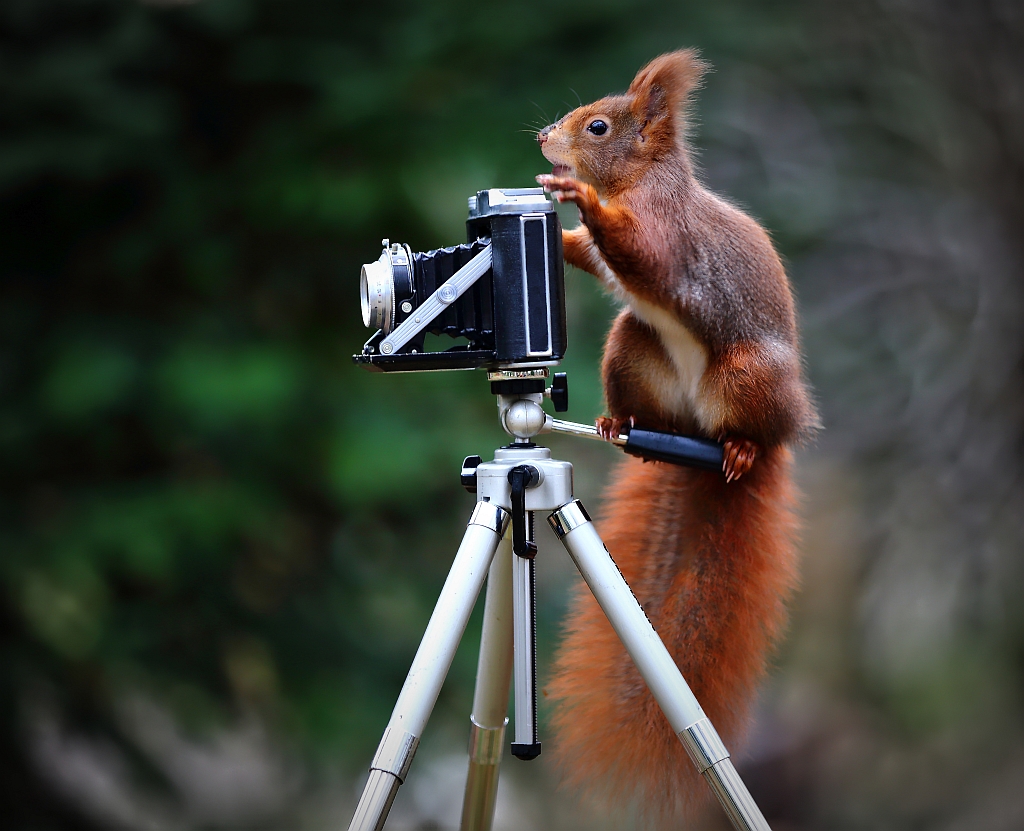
(666, 84)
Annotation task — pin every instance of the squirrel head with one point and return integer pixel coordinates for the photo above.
(614, 141)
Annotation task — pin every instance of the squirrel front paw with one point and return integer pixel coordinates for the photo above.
(738, 457)
(609, 428)
(567, 189)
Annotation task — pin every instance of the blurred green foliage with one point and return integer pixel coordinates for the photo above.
(203, 499)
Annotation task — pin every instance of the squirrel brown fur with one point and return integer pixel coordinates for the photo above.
(706, 344)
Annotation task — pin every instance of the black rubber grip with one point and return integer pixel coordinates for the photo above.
(674, 449)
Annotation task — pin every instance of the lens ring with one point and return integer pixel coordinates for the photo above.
(376, 294)
(364, 297)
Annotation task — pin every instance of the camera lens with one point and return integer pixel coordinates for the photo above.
(385, 284)
(377, 293)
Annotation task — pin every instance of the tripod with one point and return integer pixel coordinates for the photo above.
(521, 480)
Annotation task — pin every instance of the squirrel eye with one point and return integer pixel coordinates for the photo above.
(598, 128)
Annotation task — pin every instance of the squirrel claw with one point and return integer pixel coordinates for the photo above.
(738, 457)
(609, 428)
(567, 189)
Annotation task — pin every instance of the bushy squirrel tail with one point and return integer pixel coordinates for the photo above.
(713, 565)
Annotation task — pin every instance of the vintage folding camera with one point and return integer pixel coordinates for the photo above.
(502, 291)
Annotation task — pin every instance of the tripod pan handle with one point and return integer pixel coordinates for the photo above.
(675, 449)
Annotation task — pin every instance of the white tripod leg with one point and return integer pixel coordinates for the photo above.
(430, 666)
(573, 527)
(490, 699)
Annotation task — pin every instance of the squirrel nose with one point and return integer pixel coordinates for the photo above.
(542, 136)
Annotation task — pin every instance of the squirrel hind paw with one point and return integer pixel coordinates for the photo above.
(738, 457)
(609, 428)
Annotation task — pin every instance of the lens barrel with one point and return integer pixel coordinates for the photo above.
(383, 285)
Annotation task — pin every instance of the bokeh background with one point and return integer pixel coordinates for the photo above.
(220, 541)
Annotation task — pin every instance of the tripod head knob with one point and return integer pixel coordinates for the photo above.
(558, 392)
(468, 474)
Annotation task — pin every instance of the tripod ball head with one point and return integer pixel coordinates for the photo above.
(524, 419)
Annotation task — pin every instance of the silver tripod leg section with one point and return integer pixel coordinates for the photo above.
(573, 527)
(430, 666)
(490, 699)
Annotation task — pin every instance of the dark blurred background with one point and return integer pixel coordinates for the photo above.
(220, 540)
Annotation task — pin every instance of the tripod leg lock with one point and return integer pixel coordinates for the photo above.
(568, 518)
(492, 516)
(702, 742)
(395, 753)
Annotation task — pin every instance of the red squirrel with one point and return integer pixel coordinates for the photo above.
(706, 344)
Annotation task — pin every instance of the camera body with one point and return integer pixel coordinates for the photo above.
(502, 291)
